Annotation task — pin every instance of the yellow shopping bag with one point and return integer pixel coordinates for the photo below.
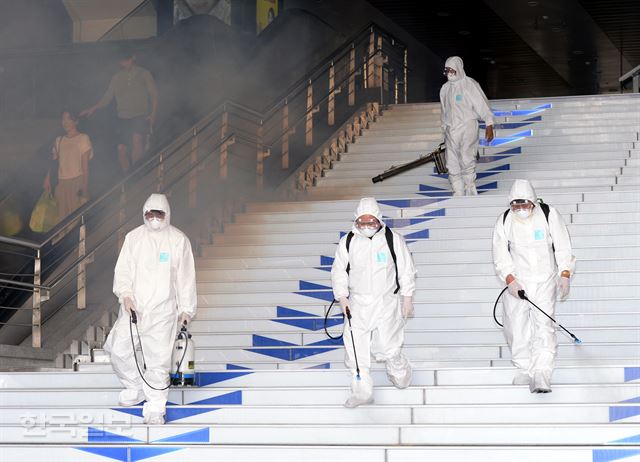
(45, 214)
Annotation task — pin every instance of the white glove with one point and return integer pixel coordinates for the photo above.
(344, 304)
(185, 319)
(563, 287)
(514, 287)
(129, 304)
(407, 307)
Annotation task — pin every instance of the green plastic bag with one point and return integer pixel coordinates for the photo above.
(10, 222)
(45, 214)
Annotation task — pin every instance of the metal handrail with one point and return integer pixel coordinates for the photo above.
(211, 118)
(248, 119)
(332, 57)
(634, 76)
(124, 18)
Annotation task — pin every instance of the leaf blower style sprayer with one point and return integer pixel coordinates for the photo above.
(523, 296)
(437, 156)
(353, 342)
(183, 356)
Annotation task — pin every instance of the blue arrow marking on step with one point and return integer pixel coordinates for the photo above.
(517, 150)
(499, 168)
(622, 412)
(422, 234)
(96, 435)
(427, 187)
(629, 440)
(435, 213)
(631, 373)
(489, 159)
(321, 366)
(234, 397)
(310, 321)
(208, 378)
(404, 222)
(195, 436)
(236, 367)
(326, 261)
(443, 195)
(306, 285)
(262, 341)
(483, 188)
(119, 454)
(609, 455)
(291, 354)
(145, 453)
(410, 203)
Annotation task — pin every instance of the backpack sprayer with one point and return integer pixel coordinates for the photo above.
(523, 296)
(437, 156)
(184, 352)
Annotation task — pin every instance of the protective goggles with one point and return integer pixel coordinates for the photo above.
(448, 70)
(369, 224)
(520, 204)
(154, 214)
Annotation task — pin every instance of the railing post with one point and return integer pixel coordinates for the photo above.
(379, 61)
(285, 136)
(82, 267)
(404, 69)
(351, 100)
(309, 124)
(370, 61)
(159, 174)
(224, 129)
(122, 214)
(259, 160)
(193, 174)
(36, 333)
(331, 115)
(395, 89)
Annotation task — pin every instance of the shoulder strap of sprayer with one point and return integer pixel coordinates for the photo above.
(389, 237)
(545, 209)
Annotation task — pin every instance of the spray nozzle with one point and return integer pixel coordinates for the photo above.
(522, 295)
(348, 314)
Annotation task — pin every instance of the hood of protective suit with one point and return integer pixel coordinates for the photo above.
(157, 202)
(522, 189)
(368, 206)
(455, 62)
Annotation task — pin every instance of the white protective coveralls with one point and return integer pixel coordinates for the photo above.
(156, 269)
(523, 248)
(462, 103)
(377, 323)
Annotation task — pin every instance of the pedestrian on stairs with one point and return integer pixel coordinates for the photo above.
(532, 252)
(155, 278)
(462, 103)
(373, 278)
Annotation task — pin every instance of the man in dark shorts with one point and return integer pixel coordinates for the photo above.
(136, 97)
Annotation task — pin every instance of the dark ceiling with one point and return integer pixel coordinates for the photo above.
(518, 48)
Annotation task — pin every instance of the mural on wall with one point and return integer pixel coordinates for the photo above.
(183, 9)
(266, 12)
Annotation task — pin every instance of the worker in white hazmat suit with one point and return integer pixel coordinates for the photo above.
(364, 282)
(462, 103)
(155, 277)
(532, 252)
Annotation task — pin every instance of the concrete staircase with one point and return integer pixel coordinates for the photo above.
(271, 385)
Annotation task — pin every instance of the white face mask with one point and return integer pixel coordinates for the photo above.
(155, 223)
(369, 232)
(523, 214)
(451, 76)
